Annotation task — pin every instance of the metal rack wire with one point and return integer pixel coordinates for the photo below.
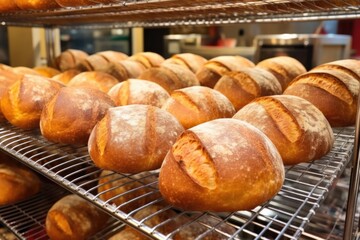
(285, 216)
(155, 13)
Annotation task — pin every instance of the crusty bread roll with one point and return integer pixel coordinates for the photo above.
(7, 78)
(25, 70)
(243, 86)
(24, 100)
(121, 190)
(74, 218)
(36, 4)
(17, 182)
(349, 66)
(109, 55)
(192, 61)
(69, 59)
(135, 91)
(148, 59)
(74, 3)
(8, 5)
(284, 68)
(46, 71)
(221, 165)
(333, 92)
(72, 113)
(298, 129)
(213, 69)
(96, 80)
(170, 77)
(99, 60)
(198, 104)
(124, 69)
(136, 138)
(66, 76)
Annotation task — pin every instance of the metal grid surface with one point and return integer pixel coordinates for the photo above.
(140, 205)
(155, 13)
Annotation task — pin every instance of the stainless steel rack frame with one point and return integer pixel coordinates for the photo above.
(155, 13)
(285, 216)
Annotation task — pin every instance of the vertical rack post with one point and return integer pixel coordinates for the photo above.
(349, 230)
(52, 45)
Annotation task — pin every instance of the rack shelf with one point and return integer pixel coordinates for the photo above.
(155, 13)
(286, 215)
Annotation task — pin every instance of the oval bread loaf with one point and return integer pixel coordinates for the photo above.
(333, 92)
(243, 86)
(69, 59)
(349, 66)
(133, 138)
(95, 80)
(148, 59)
(198, 104)
(72, 113)
(124, 69)
(191, 61)
(298, 129)
(221, 165)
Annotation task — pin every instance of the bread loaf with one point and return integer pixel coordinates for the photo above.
(74, 218)
(25, 70)
(95, 80)
(109, 55)
(148, 59)
(221, 165)
(123, 70)
(198, 104)
(8, 5)
(72, 113)
(17, 182)
(36, 4)
(136, 138)
(24, 100)
(189, 60)
(69, 59)
(135, 91)
(46, 71)
(170, 77)
(243, 86)
(7, 78)
(284, 68)
(128, 193)
(92, 63)
(349, 66)
(333, 92)
(66, 76)
(298, 129)
(216, 67)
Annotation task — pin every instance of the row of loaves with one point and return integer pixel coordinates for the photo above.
(138, 137)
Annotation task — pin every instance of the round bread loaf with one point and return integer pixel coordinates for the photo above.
(66, 76)
(7, 78)
(298, 129)
(192, 61)
(333, 92)
(25, 70)
(69, 59)
(124, 69)
(72, 113)
(221, 165)
(170, 77)
(148, 59)
(243, 86)
(284, 68)
(74, 218)
(133, 138)
(92, 63)
(95, 80)
(8, 5)
(198, 104)
(212, 70)
(36, 4)
(17, 182)
(46, 71)
(122, 190)
(24, 100)
(74, 3)
(349, 66)
(135, 91)
(112, 56)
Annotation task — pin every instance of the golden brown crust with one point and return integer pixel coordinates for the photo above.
(192, 61)
(333, 92)
(23, 102)
(298, 129)
(123, 70)
(112, 56)
(92, 63)
(133, 138)
(246, 168)
(7, 78)
(66, 76)
(72, 3)
(201, 103)
(135, 91)
(8, 5)
(46, 71)
(25, 70)
(148, 59)
(93, 79)
(74, 218)
(36, 4)
(349, 66)
(72, 113)
(69, 59)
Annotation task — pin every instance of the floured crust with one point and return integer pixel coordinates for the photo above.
(192, 61)
(148, 59)
(93, 79)
(246, 168)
